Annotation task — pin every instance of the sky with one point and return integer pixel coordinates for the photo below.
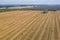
(50, 2)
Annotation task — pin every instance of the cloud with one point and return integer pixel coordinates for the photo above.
(30, 2)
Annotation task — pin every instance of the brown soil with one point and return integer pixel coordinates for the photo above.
(29, 25)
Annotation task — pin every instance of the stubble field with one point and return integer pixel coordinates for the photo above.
(29, 25)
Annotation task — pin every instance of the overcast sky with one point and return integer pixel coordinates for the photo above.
(29, 1)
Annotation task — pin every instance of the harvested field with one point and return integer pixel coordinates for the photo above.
(29, 25)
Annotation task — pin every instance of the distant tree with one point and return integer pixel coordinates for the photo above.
(45, 11)
(54, 10)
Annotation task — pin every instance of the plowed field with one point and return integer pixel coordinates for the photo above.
(29, 25)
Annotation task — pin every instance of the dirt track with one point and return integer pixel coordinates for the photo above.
(29, 25)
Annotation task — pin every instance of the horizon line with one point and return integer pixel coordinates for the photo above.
(29, 4)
